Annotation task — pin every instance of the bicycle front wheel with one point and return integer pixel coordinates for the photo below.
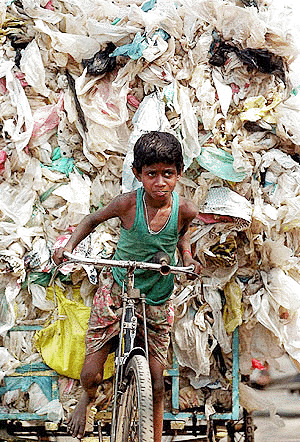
(134, 420)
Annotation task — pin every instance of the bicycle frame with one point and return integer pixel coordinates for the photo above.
(128, 325)
(127, 336)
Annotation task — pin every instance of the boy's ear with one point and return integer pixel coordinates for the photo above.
(179, 175)
(136, 174)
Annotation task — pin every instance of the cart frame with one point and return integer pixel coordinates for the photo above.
(175, 421)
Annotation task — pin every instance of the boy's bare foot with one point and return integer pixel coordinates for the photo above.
(77, 420)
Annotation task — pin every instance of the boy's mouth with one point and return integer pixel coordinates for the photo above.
(161, 192)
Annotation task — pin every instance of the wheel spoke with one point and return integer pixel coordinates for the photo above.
(133, 418)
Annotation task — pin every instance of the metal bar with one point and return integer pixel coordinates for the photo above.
(175, 384)
(235, 375)
(118, 368)
(54, 389)
(23, 416)
(185, 415)
(33, 374)
(25, 328)
(145, 327)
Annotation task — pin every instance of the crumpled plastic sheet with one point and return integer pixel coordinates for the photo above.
(151, 105)
(9, 293)
(190, 336)
(268, 314)
(32, 66)
(223, 201)
(237, 120)
(8, 363)
(220, 163)
(53, 410)
(213, 298)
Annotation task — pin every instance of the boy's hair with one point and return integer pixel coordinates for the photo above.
(157, 147)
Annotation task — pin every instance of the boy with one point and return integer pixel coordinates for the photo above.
(153, 218)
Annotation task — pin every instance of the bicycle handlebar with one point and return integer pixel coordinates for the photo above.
(164, 269)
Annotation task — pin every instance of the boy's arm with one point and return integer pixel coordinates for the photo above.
(188, 213)
(184, 246)
(88, 224)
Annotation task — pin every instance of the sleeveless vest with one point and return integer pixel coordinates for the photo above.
(137, 244)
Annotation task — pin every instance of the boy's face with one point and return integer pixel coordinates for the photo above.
(159, 180)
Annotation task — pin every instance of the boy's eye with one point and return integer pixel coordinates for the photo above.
(169, 173)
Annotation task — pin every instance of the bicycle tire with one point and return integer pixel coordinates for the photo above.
(134, 420)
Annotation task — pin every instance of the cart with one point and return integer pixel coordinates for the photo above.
(237, 424)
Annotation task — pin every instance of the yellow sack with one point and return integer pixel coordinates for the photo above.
(62, 343)
(233, 309)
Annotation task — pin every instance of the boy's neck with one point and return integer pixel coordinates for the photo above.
(154, 204)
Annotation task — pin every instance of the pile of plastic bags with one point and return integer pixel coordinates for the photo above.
(80, 81)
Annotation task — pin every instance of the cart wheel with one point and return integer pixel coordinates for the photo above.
(249, 426)
(242, 430)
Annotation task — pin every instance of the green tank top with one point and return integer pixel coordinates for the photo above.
(137, 244)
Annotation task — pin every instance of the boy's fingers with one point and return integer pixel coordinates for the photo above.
(58, 256)
(198, 268)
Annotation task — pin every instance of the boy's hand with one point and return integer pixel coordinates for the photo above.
(58, 255)
(188, 261)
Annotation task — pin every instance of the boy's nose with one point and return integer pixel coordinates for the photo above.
(160, 180)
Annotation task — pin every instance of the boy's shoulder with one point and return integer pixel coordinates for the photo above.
(187, 208)
(126, 200)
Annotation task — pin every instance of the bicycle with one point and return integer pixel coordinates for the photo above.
(132, 407)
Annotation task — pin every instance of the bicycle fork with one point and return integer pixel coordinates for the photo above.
(126, 344)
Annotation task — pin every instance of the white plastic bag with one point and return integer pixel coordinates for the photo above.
(53, 410)
(190, 341)
(37, 399)
(78, 46)
(267, 312)
(46, 119)
(77, 195)
(213, 298)
(283, 289)
(224, 91)
(223, 201)
(39, 300)
(8, 363)
(287, 116)
(32, 66)
(8, 295)
(189, 124)
(15, 126)
(164, 15)
(16, 203)
(150, 116)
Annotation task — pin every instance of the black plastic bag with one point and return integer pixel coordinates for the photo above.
(101, 62)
